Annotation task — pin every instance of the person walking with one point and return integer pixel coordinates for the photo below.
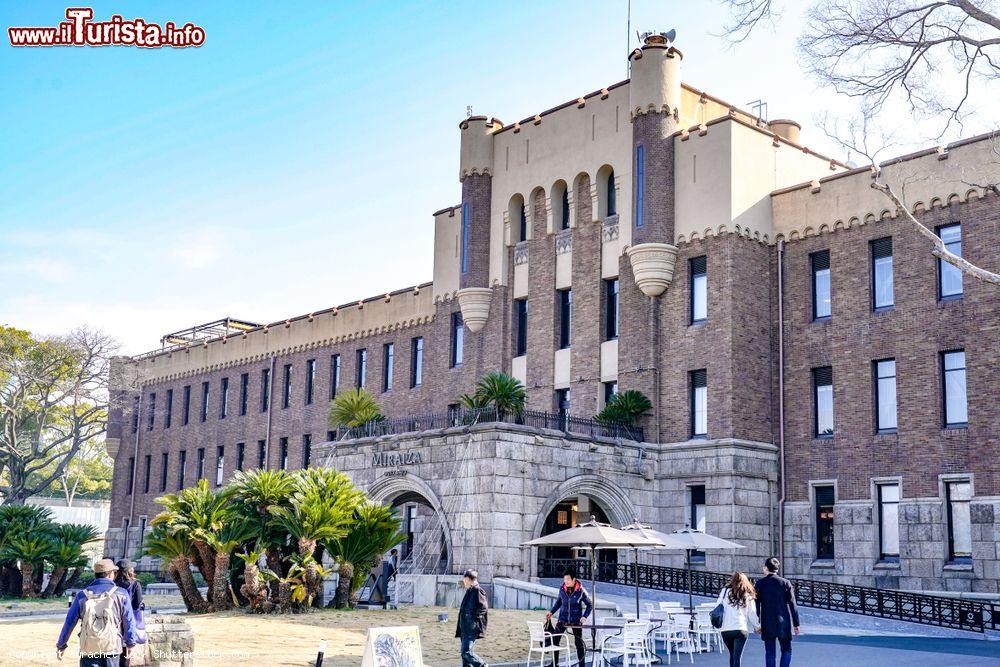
(739, 618)
(472, 618)
(125, 579)
(102, 644)
(389, 566)
(574, 606)
(779, 616)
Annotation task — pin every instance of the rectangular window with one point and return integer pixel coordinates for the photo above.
(824, 522)
(820, 263)
(261, 454)
(885, 396)
(240, 454)
(640, 184)
(286, 390)
(522, 223)
(958, 496)
(145, 477)
(224, 398)
(331, 436)
(565, 208)
(520, 327)
(283, 449)
(956, 409)
(699, 289)
(611, 309)
(310, 380)
(466, 233)
(265, 389)
(244, 393)
(201, 463)
(699, 403)
(888, 521)
(416, 362)
(151, 417)
(949, 276)
(306, 449)
(334, 375)
(823, 401)
(361, 368)
(181, 464)
(696, 517)
(565, 300)
(204, 401)
(610, 391)
(186, 405)
(562, 402)
(220, 466)
(131, 474)
(164, 464)
(882, 293)
(388, 359)
(169, 412)
(457, 339)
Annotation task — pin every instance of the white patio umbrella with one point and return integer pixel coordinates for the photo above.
(593, 535)
(649, 533)
(688, 540)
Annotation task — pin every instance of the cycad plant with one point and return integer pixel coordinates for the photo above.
(24, 529)
(235, 530)
(258, 494)
(354, 407)
(625, 408)
(253, 581)
(30, 552)
(69, 539)
(499, 391)
(174, 549)
(375, 529)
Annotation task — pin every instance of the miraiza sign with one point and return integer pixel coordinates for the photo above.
(396, 459)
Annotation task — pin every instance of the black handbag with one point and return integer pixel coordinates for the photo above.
(718, 614)
(549, 629)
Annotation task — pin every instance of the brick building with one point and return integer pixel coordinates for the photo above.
(823, 387)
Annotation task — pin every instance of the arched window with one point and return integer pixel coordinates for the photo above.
(612, 204)
(522, 224)
(565, 209)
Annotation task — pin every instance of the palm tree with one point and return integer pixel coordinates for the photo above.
(68, 554)
(175, 549)
(502, 392)
(625, 408)
(375, 529)
(19, 521)
(235, 531)
(354, 407)
(253, 589)
(259, 493)
(30, 552)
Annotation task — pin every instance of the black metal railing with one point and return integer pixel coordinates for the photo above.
(466, 417)
(884, 603)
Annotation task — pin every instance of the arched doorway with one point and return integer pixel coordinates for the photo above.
(427, 547)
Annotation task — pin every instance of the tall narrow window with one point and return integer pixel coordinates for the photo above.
(306, 449)
(181, 465)
(240, 455)
(360, 368)
(823, 401)
(696, 516)
(520, 327)
(465, 238)
(224, 398)
(334, 375)
(457, 339)
(949, 276)
(882, 292)
(201, 463)
(220, 465)
(885, 396)
(956, 409)
(416, 362)
(562, 402)
(204, 401)
(131, 474)
(388, 358)
(186, 405)
(286, 387)
(168, 416)
(820, 263)
(310, 380)
(265, 389)
(136, 406)
(612, 195)
(611, 309)
(610, 391)
(244, 393)
(888, 521)
(699, 403)
(958, 496)
(283, 453)
(565, 299)
(824, 522)
(565, 208)
(261, 454)
(151, 412)
(640, 186)
(164, 466)
(699, 289)
(522, 223)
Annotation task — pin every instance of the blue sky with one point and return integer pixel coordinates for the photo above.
(293, 161)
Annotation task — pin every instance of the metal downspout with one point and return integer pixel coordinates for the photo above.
(135, 471)
(781, 397)
(270, 411)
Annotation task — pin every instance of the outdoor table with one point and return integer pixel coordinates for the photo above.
(593, 635)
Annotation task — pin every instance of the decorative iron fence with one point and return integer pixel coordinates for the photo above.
(885, 603)
(465, 417)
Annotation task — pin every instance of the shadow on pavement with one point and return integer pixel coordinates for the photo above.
(976, 647)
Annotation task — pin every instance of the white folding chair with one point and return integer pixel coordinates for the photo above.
(541, 642)
(703, 630)
(632, 649)
(679, 638)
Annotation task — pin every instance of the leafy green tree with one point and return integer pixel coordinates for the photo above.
(354, 407)
(628, 407)
(375, 529)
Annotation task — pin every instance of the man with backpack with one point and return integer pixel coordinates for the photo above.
(107, 625)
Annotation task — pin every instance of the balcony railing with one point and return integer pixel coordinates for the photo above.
(465, 417)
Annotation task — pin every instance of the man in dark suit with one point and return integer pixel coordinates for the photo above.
(472, 618)
(777, 612)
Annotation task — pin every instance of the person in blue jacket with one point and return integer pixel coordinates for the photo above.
(104, 571)
(574, 606)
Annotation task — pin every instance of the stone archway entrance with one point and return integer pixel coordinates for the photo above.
(428, 547)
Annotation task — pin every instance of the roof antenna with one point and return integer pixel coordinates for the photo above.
(760, 106)
(628, 41)
(468, 111)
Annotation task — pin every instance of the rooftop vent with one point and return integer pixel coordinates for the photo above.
(661, 38)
